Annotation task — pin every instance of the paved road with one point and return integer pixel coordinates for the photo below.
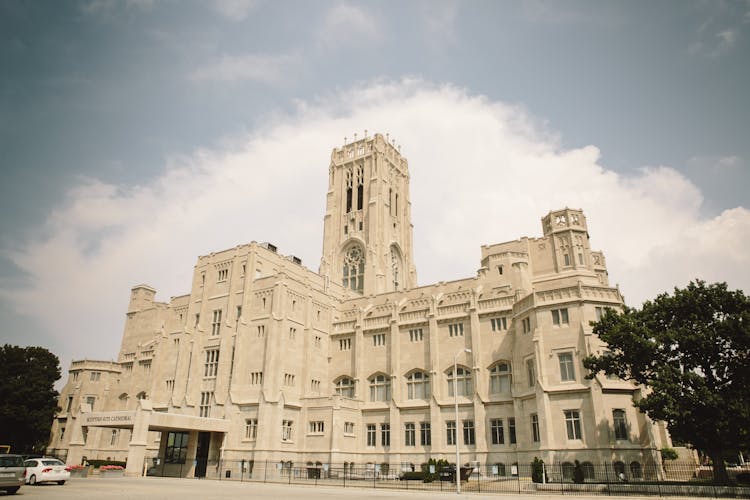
(188, 489)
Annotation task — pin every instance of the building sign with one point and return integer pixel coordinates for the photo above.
(109, 419)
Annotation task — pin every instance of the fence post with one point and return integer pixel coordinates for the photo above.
(518, 476)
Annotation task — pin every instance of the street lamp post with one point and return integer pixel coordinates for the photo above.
(455, 427)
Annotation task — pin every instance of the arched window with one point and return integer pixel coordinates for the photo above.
(418, 385)
(354, 268)
(588, 470)
(349, 182)
(360, 188)
(635, 470)
(463, 381)
(380, 388)
(124, 400)
(619, 469)
(500, 378)
(345, 387)
(141, 395)
(567, 471)
(501, 469)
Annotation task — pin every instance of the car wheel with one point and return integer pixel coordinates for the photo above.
(12, 491)
(61, 483)
(32, 479)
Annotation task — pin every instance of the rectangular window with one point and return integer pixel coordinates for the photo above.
(95, 376)
(113, 437)
(90, 400)
(223, 275)
(205, 407)
(573, 424)
(416, 335)
(566, 259)
(69, 404)
(292, 333)
(145, 365)
(621, 424)
(496, 431)
(128, 367)
(316, 427)
(176, 449)
(599, 311)
(315, 385)
(469, 433)
(345, 344)
(580, 258)
(499, 324)
(286, 430)
(251, 428)
(349, 428)
(378, 339)
(212, 364)
(371, 435)
(74, 375)
(197, 320)
(526, 325)
(535, 427)
(216, 322)
(560, 317)
(170, 384)
(567, 372)
(385, 434)
(288, 379)
(531, 372)
(410, 434)
(450, 432)
(261, 330)
(425, 434)
(62, 433)
(456, 329)
(239, 313)
(256, 378)
(512, 430)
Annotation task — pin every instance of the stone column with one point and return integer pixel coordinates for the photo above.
(138, 439)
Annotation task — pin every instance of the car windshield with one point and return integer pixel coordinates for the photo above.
(52, 462)
(11, 461)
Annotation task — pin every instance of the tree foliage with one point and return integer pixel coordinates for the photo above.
(692, 350)
(28, 399)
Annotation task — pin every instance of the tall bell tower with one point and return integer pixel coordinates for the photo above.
(367, 230)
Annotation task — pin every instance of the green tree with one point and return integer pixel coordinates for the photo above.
(28, 399)
(692, 350)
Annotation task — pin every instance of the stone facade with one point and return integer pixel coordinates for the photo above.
(355, 363)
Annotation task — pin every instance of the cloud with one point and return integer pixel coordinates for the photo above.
(482, 171)
(248, 67)
(348, 25)
(233, 10)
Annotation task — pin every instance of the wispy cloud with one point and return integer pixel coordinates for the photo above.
(248, 67)
(233, 10)
(106, 8)
(499, 170)
(347, 24)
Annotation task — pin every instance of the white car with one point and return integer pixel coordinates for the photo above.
(42, 470)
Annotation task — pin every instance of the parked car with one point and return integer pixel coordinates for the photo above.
(43, 470)
(12, 473)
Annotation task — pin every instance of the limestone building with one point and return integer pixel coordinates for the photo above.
(265, 359)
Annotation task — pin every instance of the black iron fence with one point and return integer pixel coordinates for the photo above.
(617, 478)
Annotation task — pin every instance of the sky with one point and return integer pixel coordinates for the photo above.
(136, 135)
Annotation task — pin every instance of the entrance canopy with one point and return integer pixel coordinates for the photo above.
(155, 421)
